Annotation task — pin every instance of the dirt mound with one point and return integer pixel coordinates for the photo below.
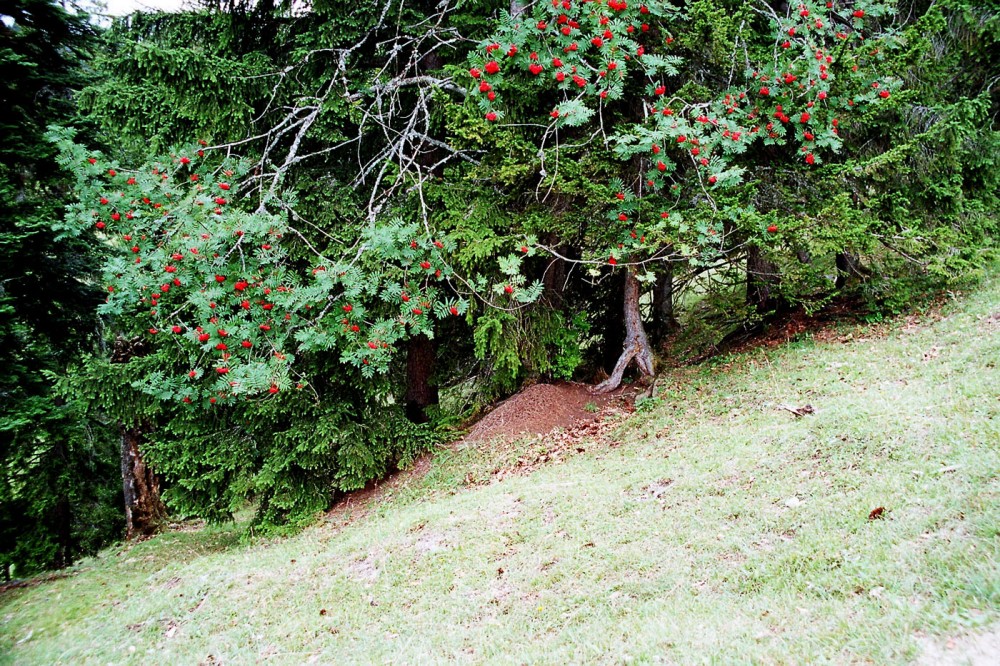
(539, 409)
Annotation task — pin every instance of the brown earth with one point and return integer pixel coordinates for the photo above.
(541, 408)
(565, 412)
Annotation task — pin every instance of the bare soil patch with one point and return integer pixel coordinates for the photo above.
(564, 414)
(539, 409)
(979, 649)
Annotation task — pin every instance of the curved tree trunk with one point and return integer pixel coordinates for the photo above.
(144, 512)
(636, 342)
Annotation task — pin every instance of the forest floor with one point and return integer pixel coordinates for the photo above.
(832, 499)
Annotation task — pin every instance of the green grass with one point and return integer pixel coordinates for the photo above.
(716, 527)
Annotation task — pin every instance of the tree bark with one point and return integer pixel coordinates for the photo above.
(610, 324)
(762, 281)
(553, 282)
(848, 266)
(664, 323)
(421, 392)
(636, 342)
(144, 511)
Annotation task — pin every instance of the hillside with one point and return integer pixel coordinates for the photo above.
(712, 524)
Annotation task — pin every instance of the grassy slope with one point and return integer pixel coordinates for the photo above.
(721, 529)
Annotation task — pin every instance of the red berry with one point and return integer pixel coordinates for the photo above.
(773, 229)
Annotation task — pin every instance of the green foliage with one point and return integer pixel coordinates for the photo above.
(783, 152)
(380, 171)
(59, 485)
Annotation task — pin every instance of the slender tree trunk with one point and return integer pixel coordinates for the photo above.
(553, 282)
(144, 511)
(611, 323)
(636, 342)
(762, 281)
(421, 393)
(664, 322)
(63, 518)
(848, 266)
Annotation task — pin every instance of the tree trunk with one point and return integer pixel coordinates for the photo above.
(421, 393)
(762, 281)
(144, 511)
(63, 519)
(848, 266)
(610, 321)
(553, 283)
(636, 343)
(664, 323)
